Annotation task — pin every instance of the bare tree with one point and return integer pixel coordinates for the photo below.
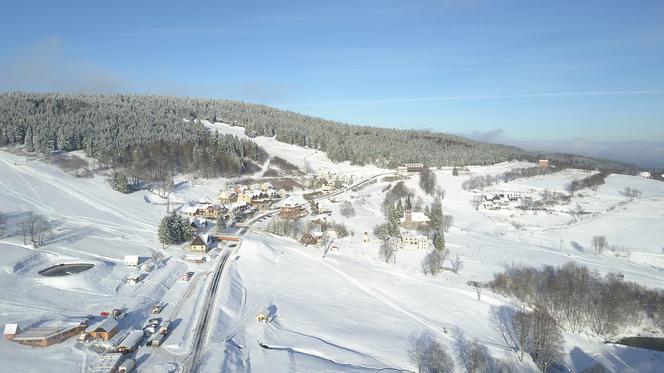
(457, 263)
(521, 329)
(477, 201)
(599, 244)
(387, 250)
(631, 193)
(428, 181)
(503, 318)
(546, 346)
(433, 262)
(346, 209)
(478, 286)
(475, 356)
(429, 354)
(448, 220)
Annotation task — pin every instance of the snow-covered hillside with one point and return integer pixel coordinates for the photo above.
(347, 310)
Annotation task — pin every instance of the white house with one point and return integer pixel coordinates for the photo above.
(418, 242)
(132, 260)
(11, 330)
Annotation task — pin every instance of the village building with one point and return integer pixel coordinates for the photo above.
(131, 341)
(104, 329)
(244, 197)
(308, 239)
(227, 196)
(239, 188)
(413, 220)
(199, 224)
(11, 330)
(199, 245)
(132, 260)
(266, 186)
(410, 168)
(544, 163)
(290, 209)
(202, 210)
(240, 208)
(227, 237)
(49, 333)
(418, 242)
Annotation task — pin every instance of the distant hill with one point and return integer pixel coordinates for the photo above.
(110, 125)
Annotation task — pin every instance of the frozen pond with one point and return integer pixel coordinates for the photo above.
(65, 269)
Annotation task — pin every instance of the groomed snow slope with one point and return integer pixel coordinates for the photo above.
(351, 312)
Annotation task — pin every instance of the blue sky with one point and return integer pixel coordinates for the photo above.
(520, 71)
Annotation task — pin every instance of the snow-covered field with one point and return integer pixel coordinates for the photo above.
(347, 311)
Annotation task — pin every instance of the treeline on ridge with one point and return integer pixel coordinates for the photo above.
(106, 125)
(151, 137)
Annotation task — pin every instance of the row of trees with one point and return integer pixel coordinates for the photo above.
(294, 228)
(582, 300)
(593, 182)
(483, 181)
(531, 331)
(93, 122)
(35, 228)
(430, 355)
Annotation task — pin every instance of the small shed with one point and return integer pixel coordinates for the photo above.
(104, 329)
(11, 330)
(261, 317)
(132, 260)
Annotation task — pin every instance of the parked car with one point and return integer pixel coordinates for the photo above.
(127, 366)
(165, 327)
(154, 321)
(156, 340)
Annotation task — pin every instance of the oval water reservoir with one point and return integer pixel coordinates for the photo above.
(65, 269)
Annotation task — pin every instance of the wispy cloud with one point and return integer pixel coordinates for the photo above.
(45, 66)
(481, 97)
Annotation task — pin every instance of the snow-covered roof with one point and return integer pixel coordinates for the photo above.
(190, 209)
(238, 204)
(132, 339)
(131, 258)
(417, 217)
(198, 241)
(11, 328)
(415, 236)
(107, 324)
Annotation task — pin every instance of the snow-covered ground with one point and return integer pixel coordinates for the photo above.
(348, 311)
